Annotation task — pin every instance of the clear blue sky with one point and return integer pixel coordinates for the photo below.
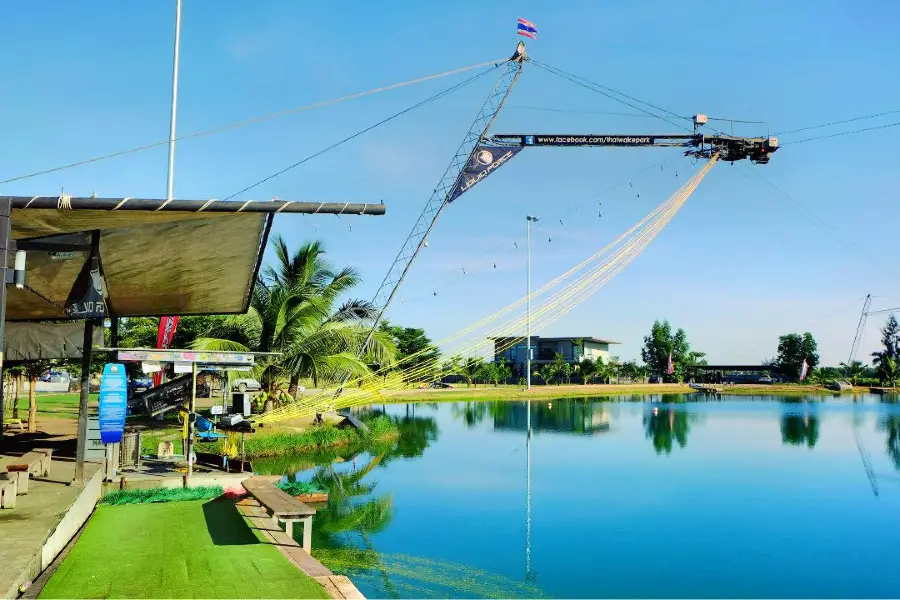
(736, 268)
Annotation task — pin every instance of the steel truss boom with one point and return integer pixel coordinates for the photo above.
(441, 196)
(860, 327)
(729, 148)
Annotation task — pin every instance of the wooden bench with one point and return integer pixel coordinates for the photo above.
(283, 507)
(9, 487)
(35, 463)
(17, 423)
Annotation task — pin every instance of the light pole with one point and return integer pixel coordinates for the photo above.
(528, 220)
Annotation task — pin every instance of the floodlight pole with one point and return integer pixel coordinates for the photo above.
(528, 221)
(170, 179)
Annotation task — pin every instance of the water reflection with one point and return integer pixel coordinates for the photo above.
(579, 416)
(666, 425)
(799, 429)
(891, 424)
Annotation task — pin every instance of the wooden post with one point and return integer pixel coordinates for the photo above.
(307, 534)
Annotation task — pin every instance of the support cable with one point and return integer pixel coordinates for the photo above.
(608, 92)
(863, 118)
(428, 100)
(254, 120)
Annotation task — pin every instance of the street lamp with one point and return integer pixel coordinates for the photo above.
(528, 220)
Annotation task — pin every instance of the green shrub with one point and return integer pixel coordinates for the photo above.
(146, 496)
(295, 488)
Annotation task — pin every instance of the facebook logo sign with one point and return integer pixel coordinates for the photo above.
(529, 140)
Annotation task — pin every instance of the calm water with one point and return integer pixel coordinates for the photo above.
(743, 498)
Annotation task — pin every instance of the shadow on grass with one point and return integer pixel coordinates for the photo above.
(225, 524)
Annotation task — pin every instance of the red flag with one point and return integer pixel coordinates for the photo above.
(670, 368)
(164, 337)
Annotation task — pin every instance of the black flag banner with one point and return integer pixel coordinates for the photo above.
(484, 161)
(88, 298)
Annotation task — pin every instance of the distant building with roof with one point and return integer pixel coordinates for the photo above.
(572, 349)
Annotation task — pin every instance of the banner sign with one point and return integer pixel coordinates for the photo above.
(180, 356)
(484, 161)
(164, 335)
(87, 299)
(113, 403)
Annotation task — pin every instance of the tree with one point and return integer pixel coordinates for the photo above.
(292, 313)
(33, 370)
(887, 359)
(854, 370)
(415, 351)
(662, 343)
(547, 373)
(793, 349)
(588, 370)
(613, 366)
(797, 430)
(664, 427)
(631, 370)
(561, 368)
(470, 369)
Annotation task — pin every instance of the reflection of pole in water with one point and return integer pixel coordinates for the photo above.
(528, 489)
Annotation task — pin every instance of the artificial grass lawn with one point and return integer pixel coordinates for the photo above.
(193, 549)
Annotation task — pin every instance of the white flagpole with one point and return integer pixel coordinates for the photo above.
(171, 174)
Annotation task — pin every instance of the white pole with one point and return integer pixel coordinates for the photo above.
(528, 220)
(528, 494)
(171, 174)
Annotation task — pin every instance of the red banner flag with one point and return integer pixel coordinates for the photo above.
(164, 337)
(670, 368)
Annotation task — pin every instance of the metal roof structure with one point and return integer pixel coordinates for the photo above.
(183, 257)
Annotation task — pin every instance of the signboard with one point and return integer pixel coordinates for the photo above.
(179, 356)
(113, 403)
(216, 409)
(184, 367)
(589, 140)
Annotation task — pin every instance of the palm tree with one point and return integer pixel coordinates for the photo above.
(613, 366)
(292, 314)
(854, 370)
(588, 370)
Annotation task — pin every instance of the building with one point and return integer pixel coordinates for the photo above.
(572, 349)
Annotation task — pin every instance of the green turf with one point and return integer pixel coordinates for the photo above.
(150, 495)
(196, 549)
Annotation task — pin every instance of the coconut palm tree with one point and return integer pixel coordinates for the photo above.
(588, 370)
(854, 370)
(292, 314)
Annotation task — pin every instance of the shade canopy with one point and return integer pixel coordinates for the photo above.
(154, 263)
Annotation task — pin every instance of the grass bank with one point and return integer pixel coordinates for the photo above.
(176, 550)
(268, 442)
(516, 392)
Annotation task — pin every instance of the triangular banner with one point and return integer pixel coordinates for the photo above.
(484, 161)
(88, 297)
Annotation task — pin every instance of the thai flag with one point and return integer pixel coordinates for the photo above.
(670, 368)
(526, 28)
(804, 369)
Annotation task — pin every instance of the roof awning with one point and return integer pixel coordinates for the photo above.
(154, 263)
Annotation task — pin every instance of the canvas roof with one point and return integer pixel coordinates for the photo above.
(155, 263)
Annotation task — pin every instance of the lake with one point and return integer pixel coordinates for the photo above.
(637, 497)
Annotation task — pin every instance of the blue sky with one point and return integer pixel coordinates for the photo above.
(738, 266)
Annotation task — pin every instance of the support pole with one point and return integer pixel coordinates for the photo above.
(86, 350)
(83, 401)
(170, 179)
(528, 221)
(190, 424)
(5, 225)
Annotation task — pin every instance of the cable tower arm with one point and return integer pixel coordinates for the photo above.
(440, 197)
(860, 327)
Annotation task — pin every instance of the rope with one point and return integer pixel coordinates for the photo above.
(121, 204)
(553, 309)
(254, 120)
(27, 204)
(284, 206)
(207, 203)
(64, 202)
(163, 205)
(245, 205)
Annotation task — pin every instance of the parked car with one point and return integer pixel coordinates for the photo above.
(245, 384)
(766, 379)
(439, 384)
